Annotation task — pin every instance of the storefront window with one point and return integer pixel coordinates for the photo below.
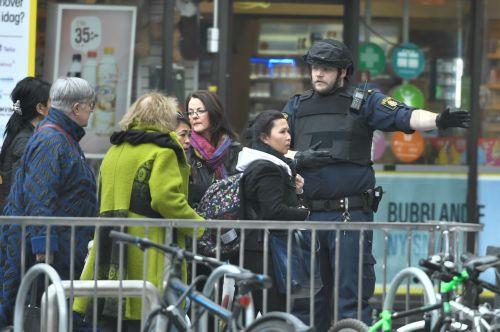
(422, 64)
(489, 142)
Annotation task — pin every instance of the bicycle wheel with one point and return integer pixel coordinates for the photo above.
(349, 325)
(278, 322)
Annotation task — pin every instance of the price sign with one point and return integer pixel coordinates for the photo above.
(85, 33)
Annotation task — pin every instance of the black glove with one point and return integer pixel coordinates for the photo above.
(312, 158)
(449, 119)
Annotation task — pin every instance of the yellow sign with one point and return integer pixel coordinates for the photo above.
(17, 50)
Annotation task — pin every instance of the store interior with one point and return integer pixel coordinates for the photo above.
(269, 37)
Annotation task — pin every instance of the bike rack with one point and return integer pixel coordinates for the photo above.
(106, 288)
(412, 272)
(58, 294)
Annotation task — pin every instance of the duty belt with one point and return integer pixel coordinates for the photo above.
(351, 202)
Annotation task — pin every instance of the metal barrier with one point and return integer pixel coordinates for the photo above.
(107, 288)
(455, 243)
(57, 291)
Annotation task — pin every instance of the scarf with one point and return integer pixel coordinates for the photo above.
(213, 156)
(136, 137)
(261, 146)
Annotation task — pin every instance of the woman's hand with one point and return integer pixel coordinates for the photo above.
(299, 184)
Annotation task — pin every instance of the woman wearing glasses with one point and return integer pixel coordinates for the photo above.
(214, 149)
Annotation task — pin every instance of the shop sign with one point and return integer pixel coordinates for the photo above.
(371, 58)
(419, 198)
(410, 95)
(407, 147)
(407, 60)
(17, 51)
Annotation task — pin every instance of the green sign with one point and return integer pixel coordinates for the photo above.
(371, 58)
(407, 60)
(409, 94)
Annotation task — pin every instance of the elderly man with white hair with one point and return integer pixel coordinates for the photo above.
(53, 180)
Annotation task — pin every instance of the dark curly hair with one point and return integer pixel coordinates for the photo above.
(30, 91)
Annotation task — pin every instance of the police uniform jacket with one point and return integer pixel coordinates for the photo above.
(329, 120)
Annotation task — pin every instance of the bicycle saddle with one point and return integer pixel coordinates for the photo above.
(479, 263)
(251, 280)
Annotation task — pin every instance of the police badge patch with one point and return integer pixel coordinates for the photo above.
(390, 103)
(285, 115)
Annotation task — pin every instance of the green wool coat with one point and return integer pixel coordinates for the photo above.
(127, 174)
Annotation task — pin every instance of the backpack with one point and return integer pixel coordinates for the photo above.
(221, 201)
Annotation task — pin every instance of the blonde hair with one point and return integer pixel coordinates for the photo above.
(153, 110)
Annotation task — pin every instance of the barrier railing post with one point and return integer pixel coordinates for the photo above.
(24, 288)
(450, 237)
(336, 277)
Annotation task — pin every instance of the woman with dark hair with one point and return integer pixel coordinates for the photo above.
(183, 132)
(269, 187)
(30, 99)
(214, 149)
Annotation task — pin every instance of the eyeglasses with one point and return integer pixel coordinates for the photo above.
(90, 103)
(197, 113)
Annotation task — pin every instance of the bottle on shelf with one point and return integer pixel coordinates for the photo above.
(75, 69)
(107, 80)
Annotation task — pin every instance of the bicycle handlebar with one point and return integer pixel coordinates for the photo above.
(428, 264)
(144, 243)
(473, 266)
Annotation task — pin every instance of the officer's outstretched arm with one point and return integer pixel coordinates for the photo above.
(425, 120)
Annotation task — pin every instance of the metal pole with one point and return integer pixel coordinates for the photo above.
(368, 19)
(406, 21)
(225, 16)
(473, 132)
(351, 28)
(167, 82)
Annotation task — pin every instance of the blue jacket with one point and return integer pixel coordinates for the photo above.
(53, 180)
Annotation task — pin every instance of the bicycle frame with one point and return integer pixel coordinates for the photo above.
(387, 315)
(446, 305)
(175, 284)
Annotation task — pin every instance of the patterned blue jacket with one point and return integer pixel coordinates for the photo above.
(53, 180)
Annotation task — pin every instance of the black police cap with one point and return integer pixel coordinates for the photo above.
(330, 52)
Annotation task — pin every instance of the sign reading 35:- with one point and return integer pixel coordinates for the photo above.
(85, 33)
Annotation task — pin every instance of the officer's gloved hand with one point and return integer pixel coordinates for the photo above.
(449, 119)
(311, 158)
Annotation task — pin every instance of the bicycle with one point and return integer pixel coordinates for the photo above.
(453, 314)
(246, 282)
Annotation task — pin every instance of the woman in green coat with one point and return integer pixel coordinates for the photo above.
(143, 175)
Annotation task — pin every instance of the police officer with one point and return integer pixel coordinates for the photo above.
(339, 121)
